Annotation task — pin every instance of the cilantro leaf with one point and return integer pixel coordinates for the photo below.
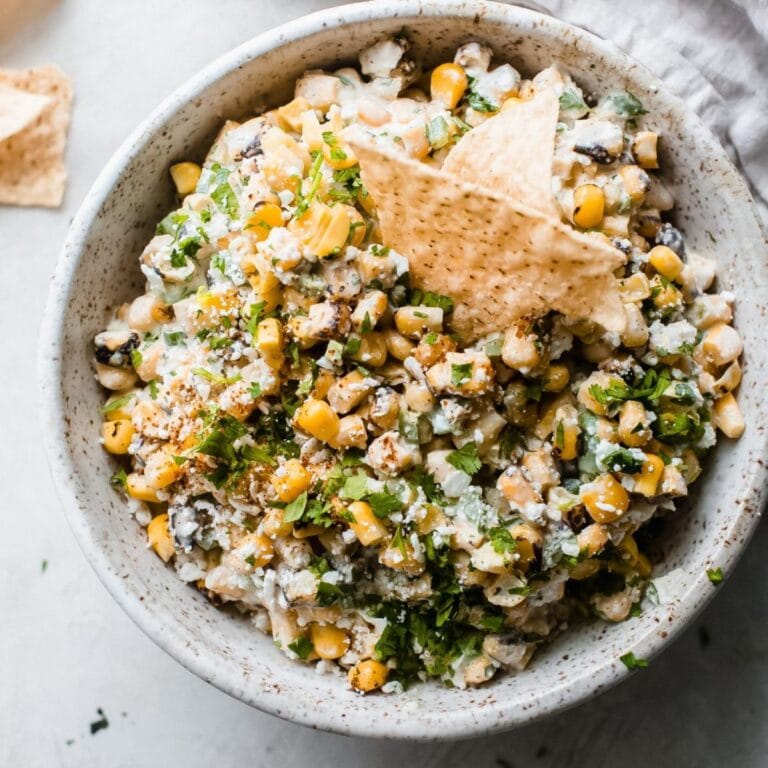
(302, 647)
(569, 99)
(465, 459)
(501, 540)
(295, 509)
(715, 575)
(460, 372)
(630, 661)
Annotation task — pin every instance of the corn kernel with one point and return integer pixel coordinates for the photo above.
(647, 481)
(270, 341)
(185, 176)
(397, 345)
(566, 432)
(311, 132)
(592, 539)
(721, 344)
(635, 557)
(367, 675)
(262, 220)
(588, 206)
(116, 435)
(414, 322)
(137, 488)
(634, 288)
(645, 150)
(159, 537)
(322, 229)
(161, 470)
(605, 498)
(316, 418)
(337, 153)
(352, 433)
(727, 416)
(329, 642)
(555, 378)
(290, 480)
(323, 383)
(290, 114)
(634, 426)
(372, 351)
(274, 525)
(257, 548)
(520, 350)
(367, 527)
(447, 84)
(666, 262)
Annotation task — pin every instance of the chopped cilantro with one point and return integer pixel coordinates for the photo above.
(153, 389)
(384, 503)
(295, 509)
(476, 101)
(226, 202)
(501, 540)
(302, 647)
(569, 100)
(355, 486)
(136, 358)
(630, 661)
(431, 299)
(119, 478)
(715, 575)
(117, 403)
(460, 372)
(438, 132)
(174, 338)
(465, 459)
(625, 104)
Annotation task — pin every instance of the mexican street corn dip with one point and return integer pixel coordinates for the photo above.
(307, 439)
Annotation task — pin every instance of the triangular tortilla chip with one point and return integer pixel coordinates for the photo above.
(512, 152)
(499, 259)
(18, 109)
(32, 161)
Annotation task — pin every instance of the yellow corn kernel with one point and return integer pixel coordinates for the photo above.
(290, 480)
(161, 470)
(635, 557)
(433, 518)
(517, 490)
(290, 114)
(521, 349)
(602, 380)
(566, 432)
(185, 176)
(644, 149)
(634, 426)
(351, 433)
(329, 642)
(323, 383)
(372, 351)
(634, 288)
(160, 537)
(270, 339)
(262, 220)
(721, 344)
(356, 226)
(665, 295)
(316, 418)
(307, 531)
(401, 558)
(635, 181)
(635, 333)
(414, 322)
(666, 262)
(257, 548)
(137, 488)
(588, 206)
(311, 132)
(647, 481)
(727, 416)
(447, 84)
(116, 435)
(337, 153)
(397, 345)
(555, 378)
(274, 525)
(586, 569)
(367, 527)
(367, 675)
(323, 230)
(592, 539)
(605, 498)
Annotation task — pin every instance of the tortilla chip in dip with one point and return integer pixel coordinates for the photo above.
(499, 259)
(512, 151)
(32, 159)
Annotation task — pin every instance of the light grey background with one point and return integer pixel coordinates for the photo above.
(66, 649)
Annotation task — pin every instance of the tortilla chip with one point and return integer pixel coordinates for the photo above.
(32, 161)
(499, 259)
(18, 109)
(512, 152)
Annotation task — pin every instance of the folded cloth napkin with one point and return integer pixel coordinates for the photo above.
(711, 53)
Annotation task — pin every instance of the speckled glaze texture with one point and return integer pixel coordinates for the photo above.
(98, 270)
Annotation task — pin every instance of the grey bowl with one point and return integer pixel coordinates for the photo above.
(98, 270)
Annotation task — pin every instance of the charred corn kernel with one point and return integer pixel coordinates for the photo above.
(447, 84)
(521, 349)
(262, 220)
(592, 539)
(647, 481)
(635, 181)
(588, 206)
(307, 531)
(161, 470)
(727, 416)
(418, 397)
(290, 480)
(116, 435)
(431, 350)
(634, 424)
(159, 537)
(372, 351)
(290, 114)
(323, 383)
(721, 344)
(644, 148)
(397, 345)
(634, 557)
(635, 332)
(316, 418)
(351, 433)
(666, 262)
(137, 488)
(323, 230)
(634, 288)
(329, 642)
(257, 549)
(269, 338)
(337, 153)
(349, 391)
(528, 540)
(665, 295)
(555, 378)
(565, 433)
(415, 322)
(367, 675)
(605, 498)
(367, 527)
(372, 305)
(185, 176)
(274, 525)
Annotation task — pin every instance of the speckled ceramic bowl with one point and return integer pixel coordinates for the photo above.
(98, 270)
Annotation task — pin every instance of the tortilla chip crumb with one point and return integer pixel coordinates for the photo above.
(32, 168)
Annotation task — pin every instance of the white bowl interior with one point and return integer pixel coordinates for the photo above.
(99, 270)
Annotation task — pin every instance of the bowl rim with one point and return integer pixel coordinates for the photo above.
(466, 721)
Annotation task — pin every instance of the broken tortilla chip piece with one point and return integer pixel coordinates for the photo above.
(18, 109)
(497, 258)
(512, 151)
(32, 161)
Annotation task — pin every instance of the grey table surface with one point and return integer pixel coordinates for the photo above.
(67, 651)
